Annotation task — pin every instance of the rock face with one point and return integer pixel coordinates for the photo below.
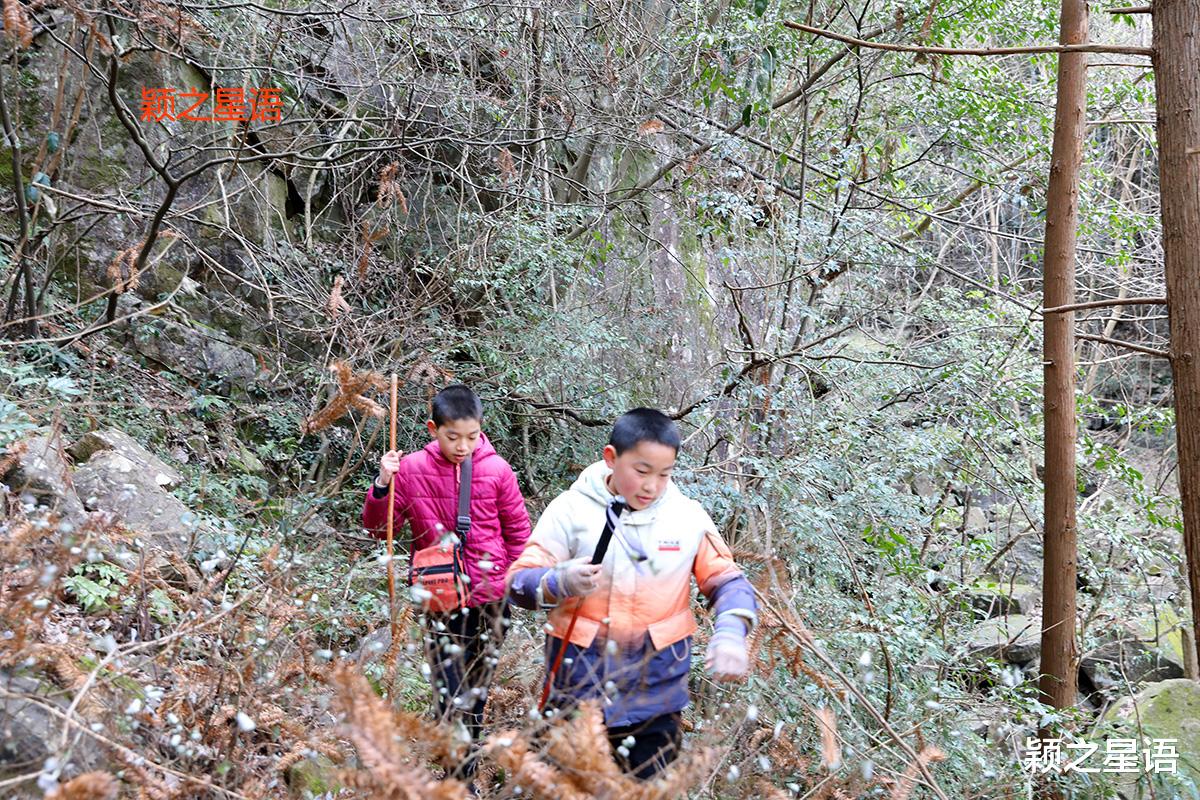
(111, 481)
(1165, 710)
(42, 471)
(112, 439)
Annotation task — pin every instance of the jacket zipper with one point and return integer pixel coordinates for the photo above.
(438, 570)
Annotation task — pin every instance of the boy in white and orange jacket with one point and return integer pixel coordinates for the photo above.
(632, 642)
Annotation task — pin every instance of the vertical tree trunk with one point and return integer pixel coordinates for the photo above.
(1059, 653)
(19, 259)
(1177, 83)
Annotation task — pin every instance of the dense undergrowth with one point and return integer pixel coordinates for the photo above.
(244, 656)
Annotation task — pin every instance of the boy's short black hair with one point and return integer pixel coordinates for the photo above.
(453, 403)
(643, 425)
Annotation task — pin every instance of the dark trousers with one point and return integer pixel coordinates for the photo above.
(655, 745)
(461, 649)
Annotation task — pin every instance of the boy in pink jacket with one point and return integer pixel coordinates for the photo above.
(461, 647)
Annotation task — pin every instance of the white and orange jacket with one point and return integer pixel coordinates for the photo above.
(631, 645)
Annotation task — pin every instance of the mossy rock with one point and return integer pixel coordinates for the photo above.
(6, 170)
(994, 597)
(1165, 710)
(259, 212)
(1166, 631)
(100, 170)
(313, 777)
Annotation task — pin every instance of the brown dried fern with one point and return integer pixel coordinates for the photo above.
(369, 237)
(576, 762)
(349, 395)
(392, 745)
(11, 455)
(390, 190)
(336, 303)
(765, 790)
(908, 781)
(122, 273)
(17, 26)
(831, 748)
(18, 536)
(88, 786)
(537, 779)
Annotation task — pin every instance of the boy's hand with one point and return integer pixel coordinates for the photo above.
(578, 577)
(727, 658)
(389, 465)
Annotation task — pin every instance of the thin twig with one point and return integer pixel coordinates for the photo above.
(973, 51)
(1116, 301)
(1150, 351)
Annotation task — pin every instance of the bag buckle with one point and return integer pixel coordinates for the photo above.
(462, 525)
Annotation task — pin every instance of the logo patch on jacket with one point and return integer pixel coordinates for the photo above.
(668, 545)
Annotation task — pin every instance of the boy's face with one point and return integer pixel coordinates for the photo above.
(641, 473)
(457, 438)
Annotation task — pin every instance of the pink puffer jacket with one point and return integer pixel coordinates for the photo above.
(427, 493)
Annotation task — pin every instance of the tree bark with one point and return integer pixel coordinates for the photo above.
(1177, 82)
(19, 260)
(1059, 651)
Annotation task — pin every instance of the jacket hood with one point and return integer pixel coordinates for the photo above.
(590, 484)
(483, 450)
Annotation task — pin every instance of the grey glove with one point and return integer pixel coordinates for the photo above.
(575, 578)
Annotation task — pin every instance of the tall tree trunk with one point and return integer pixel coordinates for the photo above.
(19, 258)
(1177, 82)
(1059, 652)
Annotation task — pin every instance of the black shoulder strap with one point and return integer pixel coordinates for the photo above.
(462, 523)
(611, 515)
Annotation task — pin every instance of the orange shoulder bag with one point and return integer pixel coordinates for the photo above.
(440, 569)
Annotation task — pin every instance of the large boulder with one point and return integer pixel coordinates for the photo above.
(41, 471)
(302, 517)
(112, 482)
(1126, 659)
(1015, 639)
(994, 597)
(1164, 710)
(1163, 630)
(119, 441)
(195, 351)
(29, 729)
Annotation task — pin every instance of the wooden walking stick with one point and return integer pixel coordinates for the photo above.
(391, 508)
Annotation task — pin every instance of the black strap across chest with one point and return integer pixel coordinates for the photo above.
(462, 523)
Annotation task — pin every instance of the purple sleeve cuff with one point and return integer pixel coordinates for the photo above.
(730, 625)
(735, 598)
(524, 586)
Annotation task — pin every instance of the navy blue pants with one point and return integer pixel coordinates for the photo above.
(656, 744)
